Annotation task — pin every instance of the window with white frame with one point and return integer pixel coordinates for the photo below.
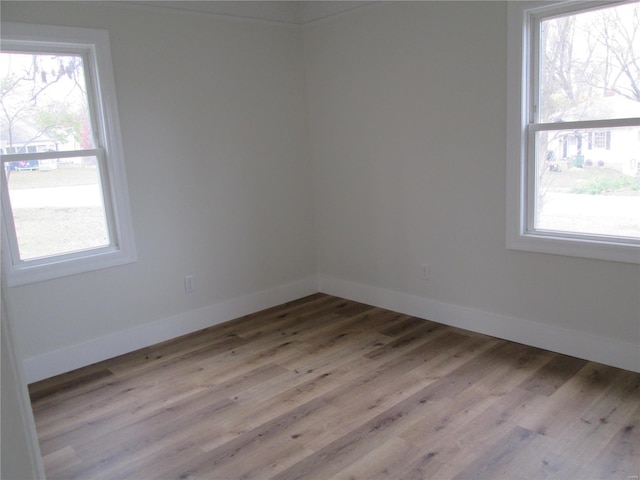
(65, 204)
(573, 129)
(601, 140)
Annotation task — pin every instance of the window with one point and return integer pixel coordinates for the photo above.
(600, 139)
(573, 129)
(65, 204)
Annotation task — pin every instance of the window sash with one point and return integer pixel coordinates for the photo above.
(87, 52)
(531, 190)
(107, 202)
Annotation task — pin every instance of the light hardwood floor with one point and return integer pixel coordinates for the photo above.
(327, 388)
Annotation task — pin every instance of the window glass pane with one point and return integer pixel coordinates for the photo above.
(57, 207)
(588, 181)
(44, 105)
(589, 65)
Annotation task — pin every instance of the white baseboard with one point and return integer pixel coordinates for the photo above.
(125, 341)
(617, 353)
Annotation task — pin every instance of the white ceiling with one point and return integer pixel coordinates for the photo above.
(294, 12)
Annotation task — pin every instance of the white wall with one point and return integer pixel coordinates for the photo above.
(20, 458)
(407, 112)
(212, 112)
(405, 103)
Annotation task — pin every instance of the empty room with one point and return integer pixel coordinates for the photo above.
(313, 240)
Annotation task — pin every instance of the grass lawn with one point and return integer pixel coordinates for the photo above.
(591, 180)
(63, 176)
(591, 200)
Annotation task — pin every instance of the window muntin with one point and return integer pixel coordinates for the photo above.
(580, 114)
(65, 202)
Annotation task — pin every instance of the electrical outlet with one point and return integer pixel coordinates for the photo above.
(424, 272)
(189, 284)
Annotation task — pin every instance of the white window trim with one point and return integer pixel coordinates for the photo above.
(115, 191)
(519, 234)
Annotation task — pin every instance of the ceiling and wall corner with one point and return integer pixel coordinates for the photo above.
(289, 12)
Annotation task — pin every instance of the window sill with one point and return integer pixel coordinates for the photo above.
(573, 247)
(30, 272)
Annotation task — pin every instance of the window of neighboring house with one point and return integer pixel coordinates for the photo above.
(573, 133)
(600, 139)
(64, 194)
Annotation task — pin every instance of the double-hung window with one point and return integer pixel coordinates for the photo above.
(573, 148)
(65, 206)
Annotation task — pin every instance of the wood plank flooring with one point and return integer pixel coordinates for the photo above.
(327, 388)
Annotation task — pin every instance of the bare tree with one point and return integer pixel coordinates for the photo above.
(37, 98)
(621, 39)
(587, 57)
